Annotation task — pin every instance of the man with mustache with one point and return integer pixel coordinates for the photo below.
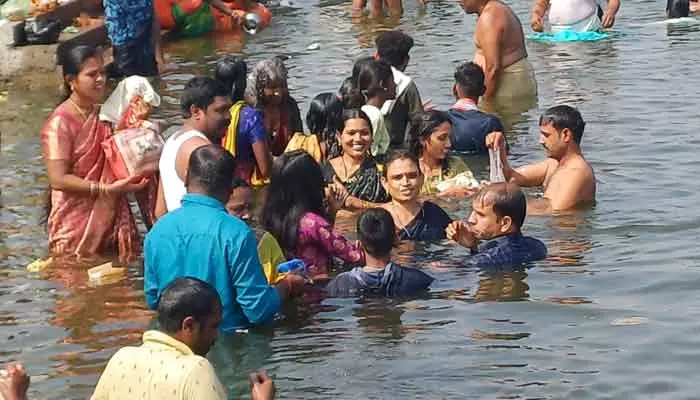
(205, 106)
(567, 178)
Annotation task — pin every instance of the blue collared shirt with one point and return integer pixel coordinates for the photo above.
(506, 251)
(127, 20)
(201, 240)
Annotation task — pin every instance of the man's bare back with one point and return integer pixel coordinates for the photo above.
(499, 22)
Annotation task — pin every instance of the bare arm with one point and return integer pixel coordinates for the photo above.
(538, 12)
(610, 13)
(61, 178)
(528, 175)
(161, 207)
(262, 158)
(490, 45)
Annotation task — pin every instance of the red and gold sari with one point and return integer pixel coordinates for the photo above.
(79, 224)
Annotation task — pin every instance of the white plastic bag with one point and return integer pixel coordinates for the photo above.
(15, 10)
(495, 167)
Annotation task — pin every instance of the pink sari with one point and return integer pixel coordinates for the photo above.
(79, 224)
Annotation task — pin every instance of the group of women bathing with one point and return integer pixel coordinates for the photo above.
(336, 166)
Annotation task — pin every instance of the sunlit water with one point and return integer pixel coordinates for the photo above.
(551, 332)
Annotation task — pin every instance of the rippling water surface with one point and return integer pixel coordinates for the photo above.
(555, 331)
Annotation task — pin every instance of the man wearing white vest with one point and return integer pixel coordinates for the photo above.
(573, 15)
(205, 106)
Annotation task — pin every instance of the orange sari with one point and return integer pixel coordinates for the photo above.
(79, 224)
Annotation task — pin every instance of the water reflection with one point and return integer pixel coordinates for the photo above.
(502, 286)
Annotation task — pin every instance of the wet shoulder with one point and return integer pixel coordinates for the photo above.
(344, 285)
(537, 247)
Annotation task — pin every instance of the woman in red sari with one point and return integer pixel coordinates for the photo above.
(89, 213)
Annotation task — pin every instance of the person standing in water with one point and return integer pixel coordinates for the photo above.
(500, 52)
(573, 15)
(566, 176)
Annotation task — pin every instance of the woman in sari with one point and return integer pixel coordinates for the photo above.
(295, 214)
(414, 219)
(355, 168)
(89, 213)
(429, 141)
(267, 91)
(246, 138)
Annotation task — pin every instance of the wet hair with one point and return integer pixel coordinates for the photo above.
(470, 79)
(369, 78)
(263, 73)
(186, 297)
(400, 155)
(677, 8)
(376, 232)
(345, 87)
(73, 62)
(506, 199)
(296, 188)
(353, 113)
(565, 117)
(213, 168)
(393, 47)
(324, 118)
(232, 72)
(200, 92)
(421, 126)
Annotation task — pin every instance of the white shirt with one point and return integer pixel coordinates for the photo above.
(566, 12)
(173, 186)
(380, 136)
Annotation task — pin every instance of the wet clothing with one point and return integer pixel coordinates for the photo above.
(393, 281)
(200, 239)
(396, 111)
(161, 368)
(365, 183)
(130, 29)
(429, 224)
(506, 252)
(470, 127)
(574, 15)
(246, 129)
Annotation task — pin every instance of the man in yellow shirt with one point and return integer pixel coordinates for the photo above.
(170, 363)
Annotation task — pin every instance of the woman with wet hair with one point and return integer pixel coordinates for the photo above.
(267, 91)
(246, 137)
(89, 213)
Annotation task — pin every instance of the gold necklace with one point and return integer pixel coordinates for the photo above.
(80, 110)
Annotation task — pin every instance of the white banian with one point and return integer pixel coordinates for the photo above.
(173, 186)
(565, 12)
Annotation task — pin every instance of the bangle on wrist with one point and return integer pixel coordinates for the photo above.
(92, 188)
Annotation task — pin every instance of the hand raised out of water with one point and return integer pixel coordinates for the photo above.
(495, 140)
(428, 105)
(261, 386)
(459, 232)
(14, 382)
(336, 195)
(608, 19)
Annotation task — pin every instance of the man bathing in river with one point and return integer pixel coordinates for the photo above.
(567, 178)
(573, 15)
(500, 52)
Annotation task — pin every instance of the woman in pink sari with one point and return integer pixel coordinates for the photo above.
(89, 213)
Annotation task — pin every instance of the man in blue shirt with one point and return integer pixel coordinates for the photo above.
(469, 125)
(492, 231)
(201, 240)
(133, 29)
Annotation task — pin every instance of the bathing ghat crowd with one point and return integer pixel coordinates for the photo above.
(240, 200)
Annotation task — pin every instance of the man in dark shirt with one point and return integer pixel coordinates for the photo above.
(492, 231)
(380, 276)
(393, 47)
(469, 125)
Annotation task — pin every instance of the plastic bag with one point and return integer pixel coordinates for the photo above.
(15, 10)
(43, 30)
(495, 167)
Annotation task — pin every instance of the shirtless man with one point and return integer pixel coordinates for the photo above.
(205, 105)
(573, 15)
(567, 178)
(500, 51)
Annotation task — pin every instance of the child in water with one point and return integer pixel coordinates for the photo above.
(380, 276)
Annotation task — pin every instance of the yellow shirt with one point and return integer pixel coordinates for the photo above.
(161, 368)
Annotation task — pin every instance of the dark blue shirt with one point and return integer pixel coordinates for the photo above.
(470, 128)
(393, 281)
(506, 252)
(127, 20)
(201, 240)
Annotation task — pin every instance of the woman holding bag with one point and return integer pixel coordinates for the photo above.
(89, 213)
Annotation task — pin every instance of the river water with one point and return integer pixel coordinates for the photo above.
(612, 313)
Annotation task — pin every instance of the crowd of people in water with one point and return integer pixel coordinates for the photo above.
(372, 150)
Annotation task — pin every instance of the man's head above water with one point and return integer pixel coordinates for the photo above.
(561, 130)
(497, 209)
